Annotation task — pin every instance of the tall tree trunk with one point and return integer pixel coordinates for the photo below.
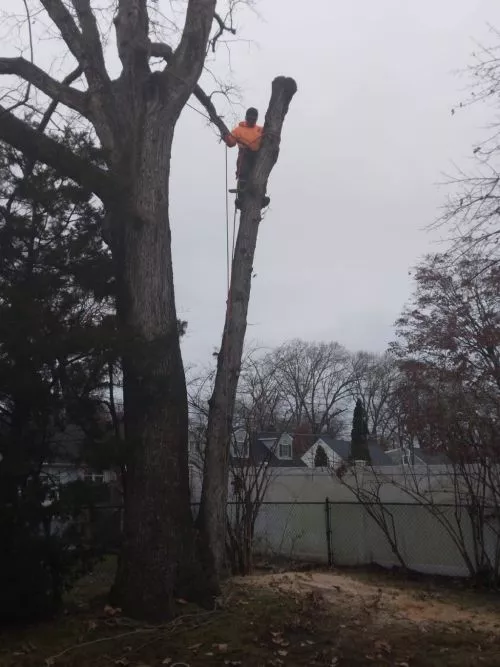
(158, 559)
(212, 516)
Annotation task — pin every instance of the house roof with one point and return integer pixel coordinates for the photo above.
(432, 458)
(343, 449)
(259, 451)
(377, 455)
(421, 457)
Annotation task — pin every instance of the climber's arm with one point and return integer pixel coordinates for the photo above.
(231, 139)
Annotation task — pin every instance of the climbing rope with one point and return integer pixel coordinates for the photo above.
(227, 231)
(229, 245)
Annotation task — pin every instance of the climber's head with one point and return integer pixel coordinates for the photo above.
(251, 116)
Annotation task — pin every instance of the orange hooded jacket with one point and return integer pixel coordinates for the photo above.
(245, 136)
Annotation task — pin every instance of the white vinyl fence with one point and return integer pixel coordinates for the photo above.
(346, 534)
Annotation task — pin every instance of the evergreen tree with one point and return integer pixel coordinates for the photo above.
(320, 458)
(56, 348)
(359, 434)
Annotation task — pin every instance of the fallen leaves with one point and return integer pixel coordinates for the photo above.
(277, 638)
(111, 611)
(221, 648)
(382, 646)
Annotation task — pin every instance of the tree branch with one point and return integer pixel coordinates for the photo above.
(68, 29)
(222, 28)
(160, 50)
(38, 146)
(59, 92)
(86, 48)
(92, 40)
(72, 76)
(188, 58)
(206, 101)
(132, 28)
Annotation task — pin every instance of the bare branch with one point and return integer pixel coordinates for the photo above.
(37, 146)
(91, 37)
(72, 76)
(222, 28)
(27, 92)
(68, 29)
(188, 58)
(206, 101)
(160, 50)
(59, 92)
(132, 28)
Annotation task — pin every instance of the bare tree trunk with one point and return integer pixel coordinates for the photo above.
(158, 559)
(212, 514)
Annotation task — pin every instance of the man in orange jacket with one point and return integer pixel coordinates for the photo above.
(247, 135)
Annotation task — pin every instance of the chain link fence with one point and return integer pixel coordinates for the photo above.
(438, 540)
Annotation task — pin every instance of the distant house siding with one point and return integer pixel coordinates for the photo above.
(333, 458)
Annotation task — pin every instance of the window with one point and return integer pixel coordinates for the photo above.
(97, 478)
(285, 449)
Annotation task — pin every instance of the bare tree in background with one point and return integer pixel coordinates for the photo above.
(134, 116)
(472, 213)
(256, 409)
(250, 475)
(452, 319)
(375, 379)
(449, 349)
(366, 484)
(259, 401)
(314, 379)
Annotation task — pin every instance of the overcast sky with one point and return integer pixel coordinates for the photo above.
(367, 138)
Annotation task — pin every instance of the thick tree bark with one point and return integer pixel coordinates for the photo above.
(212, 517)
(134, 117)
(158, 559)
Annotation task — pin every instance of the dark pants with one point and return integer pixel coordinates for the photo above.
(244, 165)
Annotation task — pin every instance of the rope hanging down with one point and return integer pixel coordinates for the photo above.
(229, 246)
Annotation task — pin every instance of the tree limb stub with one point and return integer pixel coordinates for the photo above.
(212, 515)
(59, 92)
(160, 50)
(132, 27)
(38, 146)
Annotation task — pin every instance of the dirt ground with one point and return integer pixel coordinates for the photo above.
(388, 604)
(288, 619)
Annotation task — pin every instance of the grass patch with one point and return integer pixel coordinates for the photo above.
(259, 625)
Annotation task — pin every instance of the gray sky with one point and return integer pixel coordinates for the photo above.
(368, 136)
